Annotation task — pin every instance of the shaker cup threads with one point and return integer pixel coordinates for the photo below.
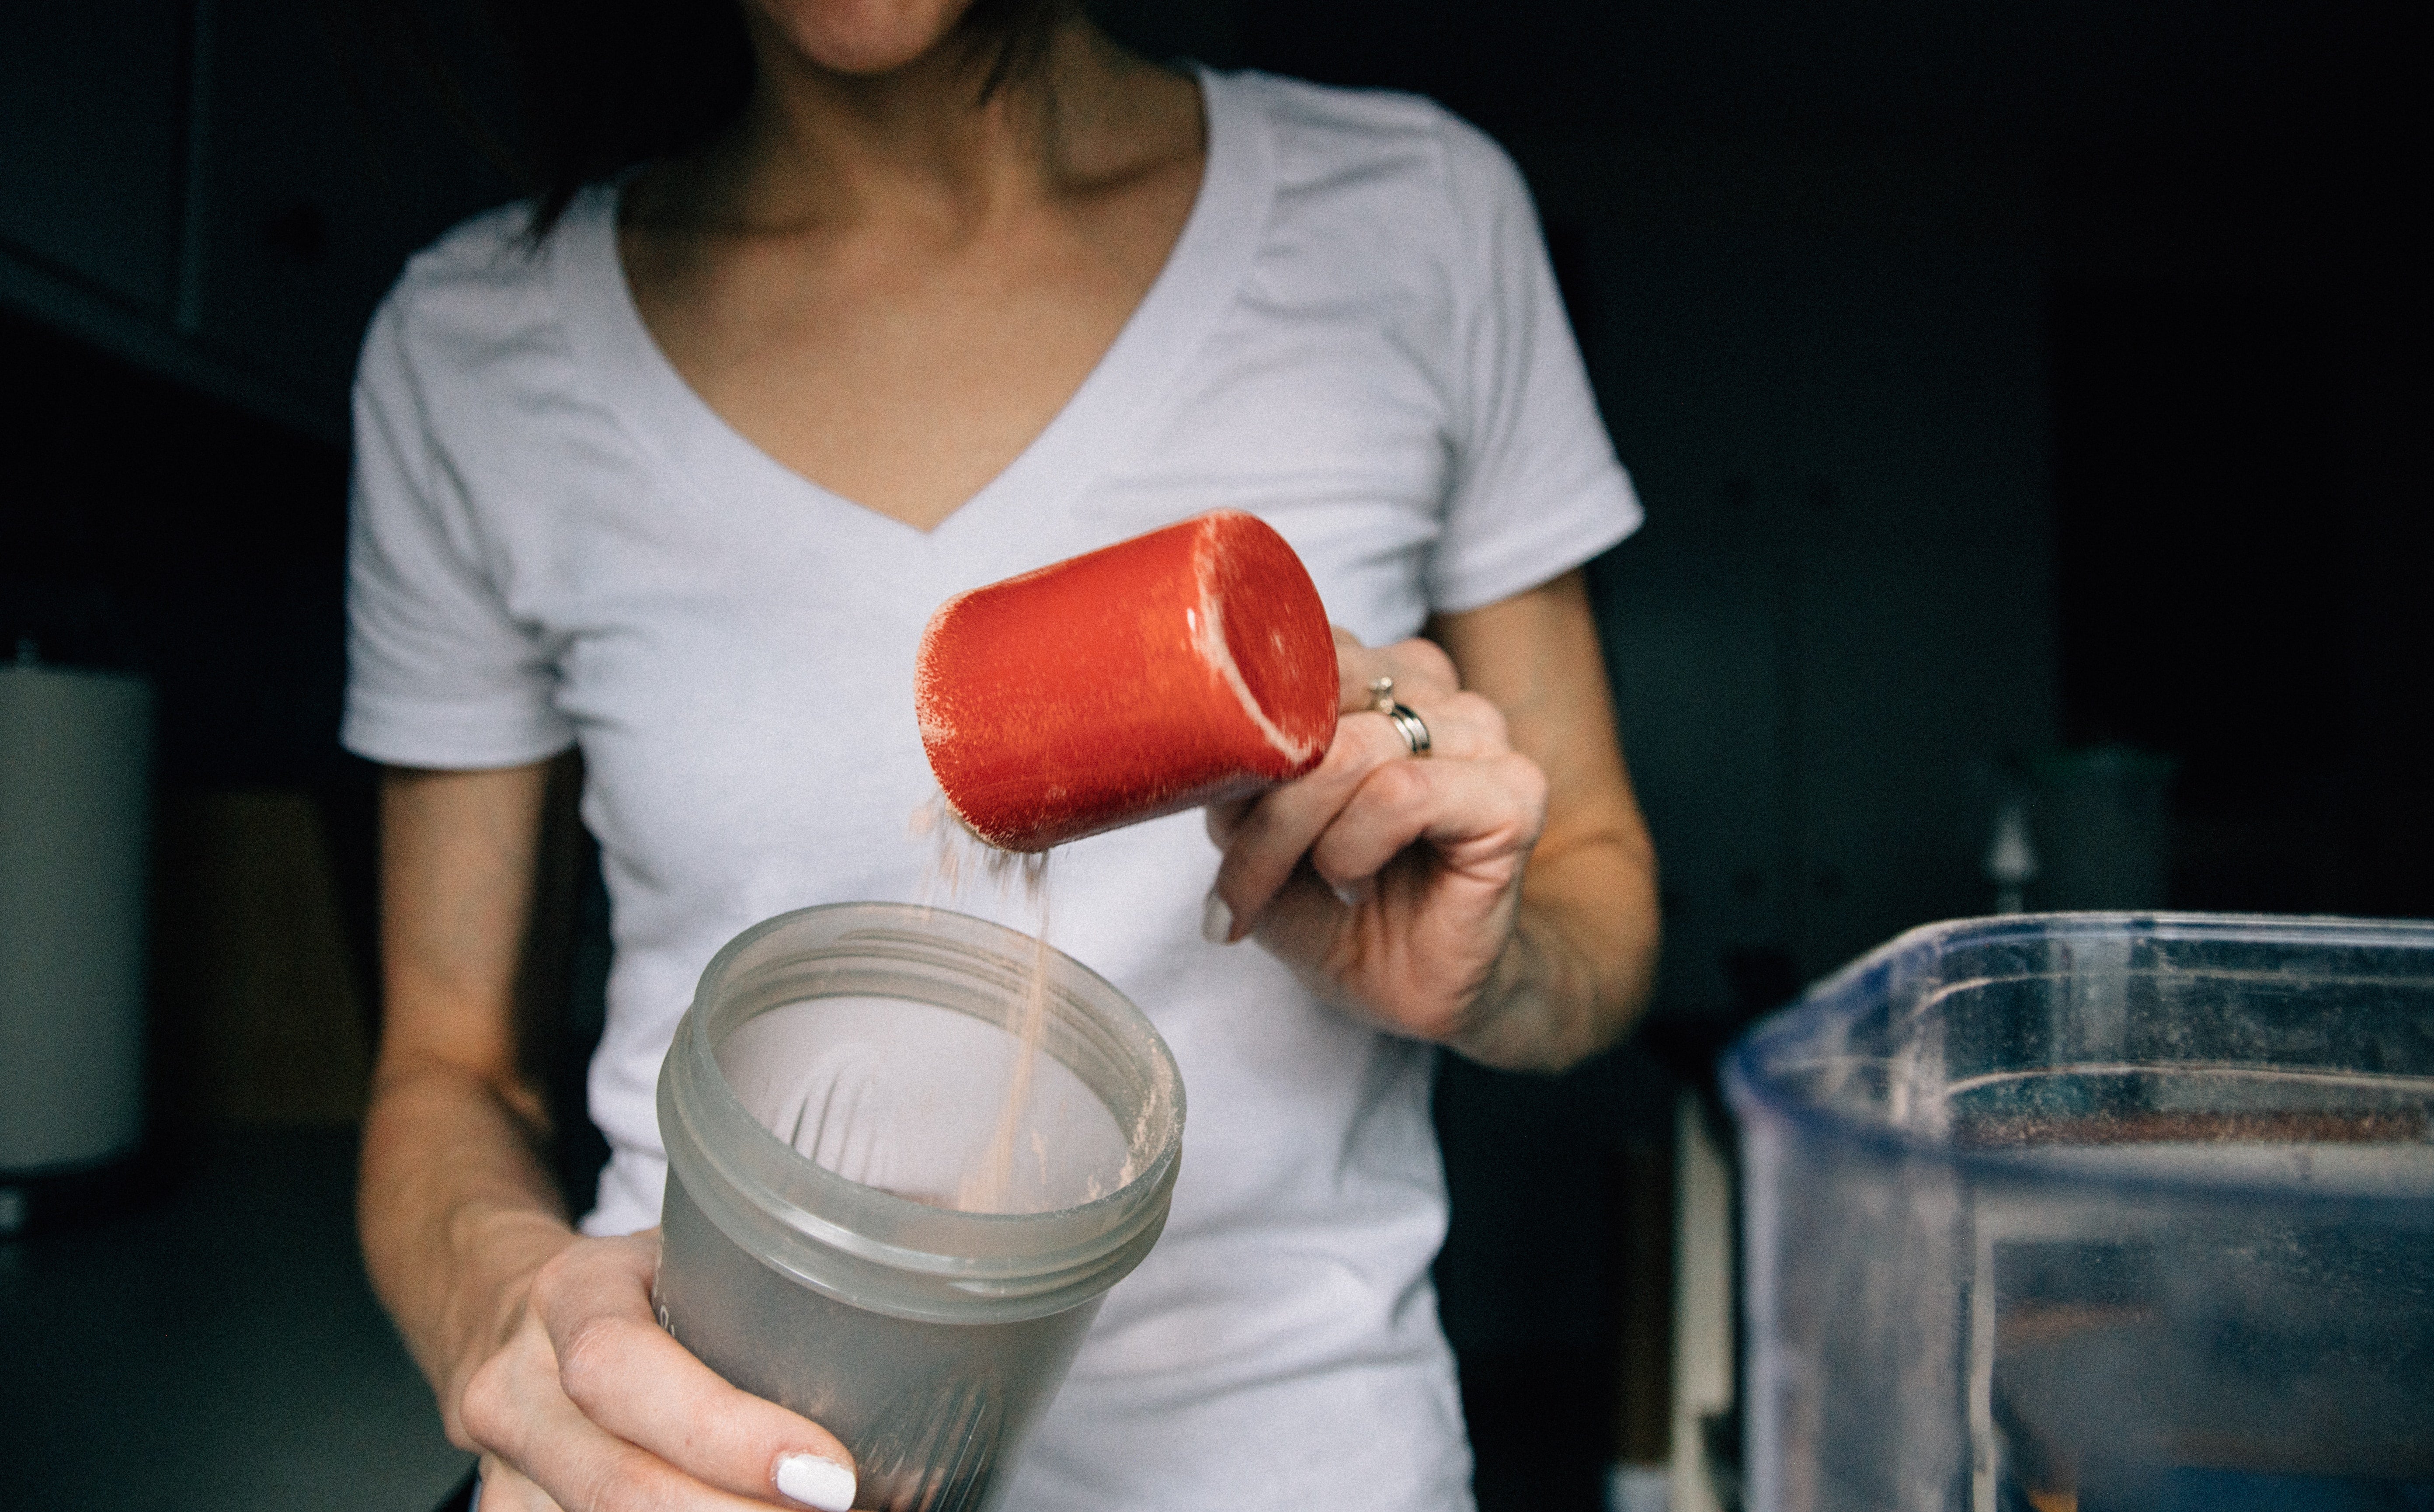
(839, 1073)
(1183, 667)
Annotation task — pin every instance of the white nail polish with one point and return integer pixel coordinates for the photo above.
(1216, 921)
(815, 1482)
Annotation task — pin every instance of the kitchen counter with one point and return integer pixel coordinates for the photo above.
(216, 1349)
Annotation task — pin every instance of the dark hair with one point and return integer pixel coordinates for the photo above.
(609, 83)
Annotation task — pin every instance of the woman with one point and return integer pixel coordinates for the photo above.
(678, 480)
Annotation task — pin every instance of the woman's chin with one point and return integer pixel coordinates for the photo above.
(863, 37)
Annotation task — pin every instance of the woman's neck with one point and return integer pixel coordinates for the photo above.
(817, 148)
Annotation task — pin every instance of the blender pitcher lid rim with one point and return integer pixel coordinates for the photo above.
(1751, 1071)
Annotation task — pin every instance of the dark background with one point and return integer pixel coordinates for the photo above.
(2001, 379)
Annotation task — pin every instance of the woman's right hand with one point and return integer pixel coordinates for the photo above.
(590, 1406)
(540, 1346)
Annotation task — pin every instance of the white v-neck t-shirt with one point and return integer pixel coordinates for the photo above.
(555, 541)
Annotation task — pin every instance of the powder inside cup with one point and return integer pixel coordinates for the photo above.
(928, 1103)
(912, 1098)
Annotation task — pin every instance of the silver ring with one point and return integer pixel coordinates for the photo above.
(1409, 725)
(1381, 695)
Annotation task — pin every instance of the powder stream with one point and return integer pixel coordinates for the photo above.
(958, 857)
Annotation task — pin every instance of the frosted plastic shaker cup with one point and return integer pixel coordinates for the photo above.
(829, 1096)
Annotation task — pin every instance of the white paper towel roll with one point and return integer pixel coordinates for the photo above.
(76, 809)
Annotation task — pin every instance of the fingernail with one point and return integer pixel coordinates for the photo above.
(1345, 893)
(815, 1482)
(1216, 921)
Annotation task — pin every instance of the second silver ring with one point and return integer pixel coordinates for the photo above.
(1410, 726)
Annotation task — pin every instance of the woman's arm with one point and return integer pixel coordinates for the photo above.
(1583, 961)
(456, 1208)
(541, 1345)
(1500, 894)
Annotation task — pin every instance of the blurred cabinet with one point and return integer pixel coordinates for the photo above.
(1825, 367)
(92, 144)
(327, 160)
(223, 189)
(1919, 523)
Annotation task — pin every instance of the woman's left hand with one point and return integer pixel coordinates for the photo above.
(1496, 892)
(1389, 880)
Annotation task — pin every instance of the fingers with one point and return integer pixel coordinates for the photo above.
(514, 1409)
(627, 1375)
(1419, 668)
(1468, 791)
(1390, 883)
(1268, 838)
(603, 1411)
(507, 1489)
(1470, 810)
(1414, 973)
(1421, 673)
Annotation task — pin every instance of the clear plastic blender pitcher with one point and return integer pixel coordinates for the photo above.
(852, 1228)
(2095, 1212)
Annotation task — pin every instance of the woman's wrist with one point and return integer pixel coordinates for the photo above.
(1543, 1007)
(1510, 1024)
(495, 1252)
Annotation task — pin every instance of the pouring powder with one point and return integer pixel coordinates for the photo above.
(957, 858)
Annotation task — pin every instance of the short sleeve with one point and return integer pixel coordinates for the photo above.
(439, 673)
(1537, 489)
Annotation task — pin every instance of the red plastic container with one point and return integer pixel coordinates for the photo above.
(1183, 667)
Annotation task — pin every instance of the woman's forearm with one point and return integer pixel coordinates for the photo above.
(463, 1230)
(1582, 960)
(457, 1208)
(457, 1212)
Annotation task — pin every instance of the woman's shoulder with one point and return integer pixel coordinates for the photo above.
(1331, 131)
(486, 289)
(1371, 128)
(494, 250)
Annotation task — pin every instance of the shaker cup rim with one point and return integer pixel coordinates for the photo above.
(811, 1223)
